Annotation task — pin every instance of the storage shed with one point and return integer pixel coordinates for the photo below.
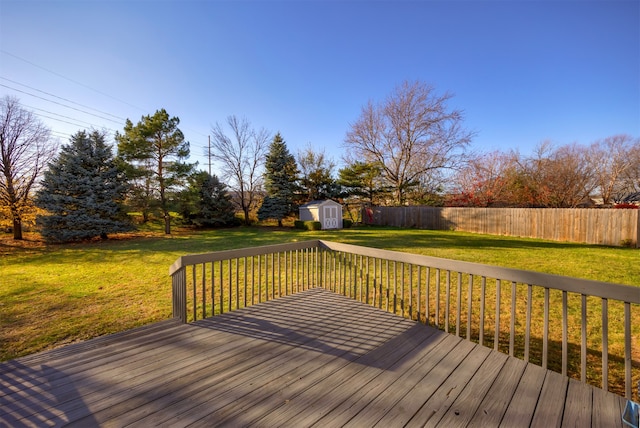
(327, 212)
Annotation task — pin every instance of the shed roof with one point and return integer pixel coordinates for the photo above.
(319, 203)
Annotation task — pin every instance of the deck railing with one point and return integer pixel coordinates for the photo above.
(585, 329)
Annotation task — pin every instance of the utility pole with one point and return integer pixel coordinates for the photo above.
(209, 136)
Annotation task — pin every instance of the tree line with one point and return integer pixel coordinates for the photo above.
(605, 173)
(409, 148)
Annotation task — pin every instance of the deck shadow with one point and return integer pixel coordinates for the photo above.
(369, 343)
(26, 398)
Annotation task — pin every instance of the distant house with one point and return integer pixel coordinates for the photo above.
(327, 212)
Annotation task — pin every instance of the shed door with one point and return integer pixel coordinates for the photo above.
(330, 218)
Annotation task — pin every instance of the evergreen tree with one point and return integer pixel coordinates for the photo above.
(281, 175)
(317, 180)
(273, 207)
(155, 151)
(82, 191)
(362, 181)
(207, 203)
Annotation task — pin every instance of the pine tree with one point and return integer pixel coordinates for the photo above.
(362, 181)
(316, 179)
(82, 192)
(155, 152)
(207, 203)
(281, 176)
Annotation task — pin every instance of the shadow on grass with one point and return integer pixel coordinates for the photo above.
(390, 237)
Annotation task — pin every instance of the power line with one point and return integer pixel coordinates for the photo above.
(61, 134)
(61, 115)
(59, 120)
(62, 98)
(60, 104)
(67, 100)
(70, 80)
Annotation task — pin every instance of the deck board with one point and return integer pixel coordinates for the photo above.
(465, 405)
(497, 399)
(314, 358)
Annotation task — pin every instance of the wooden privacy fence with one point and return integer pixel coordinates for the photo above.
(581, 328)
(617, 227)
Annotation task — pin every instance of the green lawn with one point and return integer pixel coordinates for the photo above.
(59, 294)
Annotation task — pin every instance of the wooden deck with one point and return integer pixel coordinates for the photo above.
(310, 359)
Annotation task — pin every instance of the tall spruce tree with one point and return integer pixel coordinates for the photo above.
(83, 192)
(281, 177)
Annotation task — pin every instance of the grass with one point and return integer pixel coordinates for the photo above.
(52, 295)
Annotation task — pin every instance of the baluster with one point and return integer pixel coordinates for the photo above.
(244, 271)
(213, 290)
(565, 326)
(418, 287)
(545, 332)
(195, 298)
(427, 282)
(230, 270)
(469, 306)
(483, 288)
(583, 341)
(627, 350)
(496, 337)
(605, 344)
(527, 332)
(437, 320)
(512, 327)
(458, 304)
(204, 290)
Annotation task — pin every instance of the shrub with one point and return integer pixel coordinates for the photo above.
(627, 243)
(347, 223)
(307, 225)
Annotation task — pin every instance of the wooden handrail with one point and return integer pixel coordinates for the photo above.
(606, 290)
(417, 287)
(195, 259)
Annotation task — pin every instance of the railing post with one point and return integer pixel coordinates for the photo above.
(179, 294)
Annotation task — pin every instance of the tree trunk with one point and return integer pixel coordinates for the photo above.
(247, 222)
(17, 228)
(167, 224)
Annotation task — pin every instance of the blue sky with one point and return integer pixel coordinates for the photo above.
(523, 71)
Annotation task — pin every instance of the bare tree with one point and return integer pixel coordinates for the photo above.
(241, 157)
(613, 162)
(488, 180)
(559, 177)
(632, 175)
(412, 135)
(25, 150)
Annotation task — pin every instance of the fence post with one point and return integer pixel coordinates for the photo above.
(179, 294)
